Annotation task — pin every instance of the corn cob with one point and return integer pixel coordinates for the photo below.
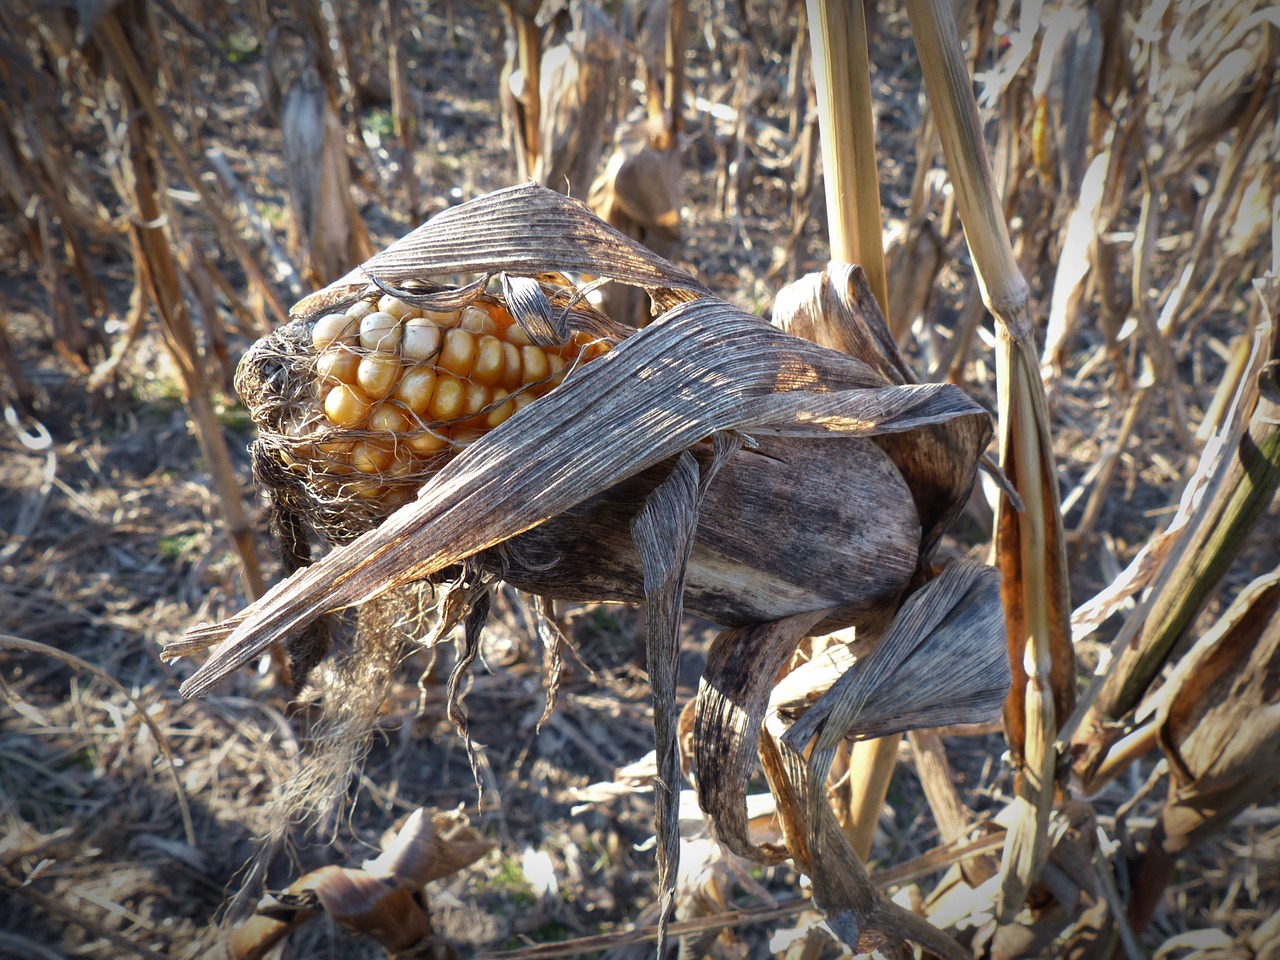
(395, 390)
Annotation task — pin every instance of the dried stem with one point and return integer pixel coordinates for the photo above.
(842, 75)
(1030, 545)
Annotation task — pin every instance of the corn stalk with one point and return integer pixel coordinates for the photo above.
(141, 189)
(842, 76)
(1030, 546)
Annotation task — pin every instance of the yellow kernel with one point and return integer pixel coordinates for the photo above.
(346, 406)
(336, 450)
(361, 308)
(459, 352)
(428, 442)
(377, 374)
(522, 400)
(477, 320)
(420, 339)
(390, 418)
(380, 331)
(534, 364)
(558, 368)
(465, 437)
(476, 399)
(397, 308)
(499, 413)
(364, 490)
(490, 361)
(337, 362)
(449, 399)
(444, 318)
(368, 456)
(416, 387)
(510, 366)
(331, 328)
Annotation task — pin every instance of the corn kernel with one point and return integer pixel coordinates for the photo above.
(467, 436)
(369, 456)
(443, 318)
(490, 361)
(416, 387)
(397, 308)
(337, 362)
(380, 331)
(377, 374)
(476, 399)
(428, 442)
(331, 328)
(510, 366)
(459, 352)
(449, 400)
(499, 414)
(390, 418)
(477, 320)
(534, 365)
(346, 406)
(420, 339)
(361, 309)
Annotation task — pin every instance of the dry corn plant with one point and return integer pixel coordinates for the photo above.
(1169, 82)
(324, 224)
(709, 462)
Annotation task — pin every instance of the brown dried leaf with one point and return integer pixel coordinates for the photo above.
(837, 309)
(1219, 719)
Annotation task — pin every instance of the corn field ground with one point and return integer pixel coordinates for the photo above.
(158, 219)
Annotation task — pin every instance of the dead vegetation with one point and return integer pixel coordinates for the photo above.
(164, 211)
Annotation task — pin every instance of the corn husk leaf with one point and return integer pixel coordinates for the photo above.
(837, 309)
(1236, 481)
(379, 899)
(324, 223)
(1218, 723)
(1065, 85)
(941, 660)
(1219, 719)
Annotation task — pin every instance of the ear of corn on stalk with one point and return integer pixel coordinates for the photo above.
(750, 435)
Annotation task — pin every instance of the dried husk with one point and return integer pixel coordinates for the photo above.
(1235, 482)
(639, 193)
(1064, 88)
(381, 899)
(705, 367)
(1218, 722)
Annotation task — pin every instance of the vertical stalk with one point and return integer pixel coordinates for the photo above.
(403, 112)
(842, 76)
(153, 250)
(673, 95)
(1030, 546)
